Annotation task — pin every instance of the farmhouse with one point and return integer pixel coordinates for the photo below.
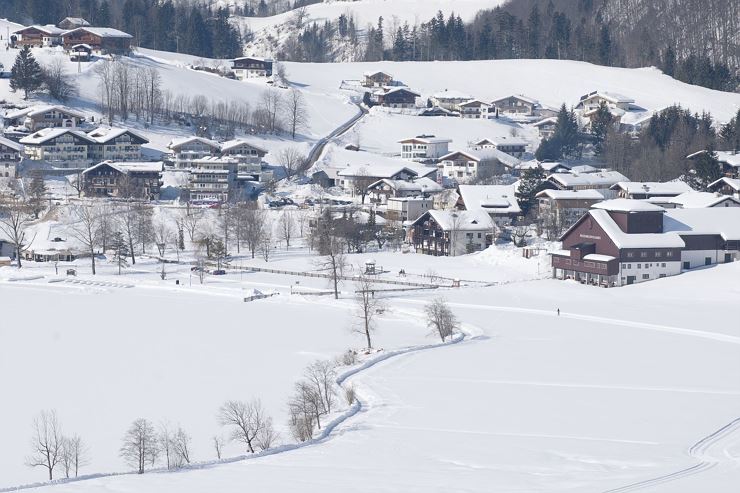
(473, 108)
(591, 101)
(726, 186)
(470, 164)
(728, 160)
(103, 40)
(624, 241)
(695, 200)
(397, 97)
(10, 156)
(498, 201)
(510, 145)
(449, 100)
(377, 79)
(647, 190)
(602, 181)
(69, 23)
(565, 207)
(355, 179)
(188, 149)
(37, 117)
(546, 127)
(516, 105)
(382, 190)
(452, 233)
(424, 148)
(80, 53)
(37, 36)
(116, 144)
(58, 145)
(126, 180)
(249, 67)
(243, 151)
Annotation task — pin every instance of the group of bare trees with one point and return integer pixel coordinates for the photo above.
(249, 425)
(16, 215)
(51, 449)
(280, 111)
(144, 445)
(314, 396)
(126, 88)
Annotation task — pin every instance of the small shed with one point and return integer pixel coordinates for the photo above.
(80, 53)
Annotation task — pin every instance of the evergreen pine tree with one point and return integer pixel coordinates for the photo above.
(36, 191)
(529, 186)
(706, 170)
(600, 123)
(669, 61)
(26, 73)
(103, 15)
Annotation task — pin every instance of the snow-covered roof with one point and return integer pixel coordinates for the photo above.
(426, 139)
(390, 90)
(625, 240)
(477, 220)
(130, 166)
(545, 121)
(450, 95)
(485, 155)
(50, 29)
(421, 185)
(501, 141)
(103, 32)
(598, 257)
(11, 144)
(545, 165)
(256, 58)
(652, 187)
(104, 134)
(602, 178)
(627, 205)
(40, 109)
(730, 158)
(384, 170)
(733, 183)
(583, 168)
(490, 198)
(612, 97)
(572, 194)
(695, 200)
(46, 134)
(78, 21)
(724, 221)
(520, 97)
(474, 102)
(231, 144)
(372, 73)
(179, 142)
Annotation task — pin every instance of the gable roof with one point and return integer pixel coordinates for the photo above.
(179, 142)
(103, 32)
(11, 144)
(421, 185)
(520, 97)
(499, 199)
(393, 90)
(546, 121)
(612, 97)
(39, 109)
(548, 166)
(602, 178)
(477, 220)
(628, 205)
(377, 170)
(733, 183)
(626, 240)
(372, 73)
(479, 155)
(105, 134)
(695, 200)
(77, 21)
(497, 141)
(724, 221)
(47, 134)
(49, 29)
(571, 194)
(231, 144)
(129, 167)
(652, 187)
(474, 102)
(426, 139)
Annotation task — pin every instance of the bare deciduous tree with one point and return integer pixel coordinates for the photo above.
(218, 445)
(293, 161)
(74, 455)
(86, 229)
(140, 445)
(57, 82)
(295, 108)
(46, 443)
(15, 216)
(367, 308)
(248, 421)
(334, 262)
(253, 224)
(190, 222)
(181, 447)
(440, 318)
(270, 105)
(286, 227)
(321, 374)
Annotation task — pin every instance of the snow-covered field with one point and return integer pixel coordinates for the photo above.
(614, 391)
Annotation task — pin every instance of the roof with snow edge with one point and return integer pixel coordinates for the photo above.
(476, 220)
(496, 141)
(50, 29)
(652, 187)
(231, 144)
(490, 198)
(422, 185)
(105, 134)
(426, 140)
(47, 134)
(571, 194)
(695, 200)
(40, 109)
(179, 142)
(103, 32)
(479, 155)
(385, 170)
(520, 97)
(733, 183)
(627, 205)
(547, 166)
(450, 95)
(730, 158)
(724, 221)
(130, 166)
(625, 240)
(11, 144)
(604, 178)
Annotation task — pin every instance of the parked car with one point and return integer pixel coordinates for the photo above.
(218, 272)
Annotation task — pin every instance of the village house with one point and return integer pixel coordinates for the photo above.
(517, 105)
(437, 111)
(452, 233)
(37, 36)
(465, 166)
(728, 160)
(243, 151)
(115, 144)
(449, 100)
(473, 108)
(404, 209)
(35, 118)
(59, 146)
(69, 23)
(601, 181)
(80, 53)
(382, 190)
(424, 148)
(649, 190)
(548, 167)
(188, 149)
(546, 127)
(510, 145)
(355, 179)
(726, 186)
(498, 201)
(213, 179)
(102, 40)
(624, 241)
(565, 207)
(695, 200)
(327, 177)
(10, 156)
(591, 101)
(249, 67)
(123, 179)
(396, 97)
(377, 79)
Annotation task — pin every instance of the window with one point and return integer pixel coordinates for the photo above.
(663, 264)
(629, 266)
(658, 254)
(624, 266)
(661, 276)
(630, 254)
(669, 254)
(639, 266)
(646, 276)
(643, 254)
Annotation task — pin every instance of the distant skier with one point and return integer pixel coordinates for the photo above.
(558, 312)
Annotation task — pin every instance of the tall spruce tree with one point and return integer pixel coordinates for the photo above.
(600, 123)
(529, 186)
(26, 73)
